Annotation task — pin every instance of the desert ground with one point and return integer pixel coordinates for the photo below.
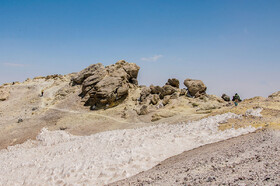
(162, 127)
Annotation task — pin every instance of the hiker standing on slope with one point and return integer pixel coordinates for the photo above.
(42, 93)
(236, 99)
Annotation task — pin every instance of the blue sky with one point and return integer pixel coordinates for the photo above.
(233, 46)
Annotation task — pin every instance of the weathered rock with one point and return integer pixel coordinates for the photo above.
(106, 86)
(175, 95)
(166, 100)
(146, 91)
(55, 76)
(39, 77)
(275, 95)
(155, 99)
(183, 92)
(131, 69)
(197, 95)
(195, 87)
(167, 90)
(20, 120)
(134, 81)
(173, 82)
(87, 72)
(156, 89)
(143, 110)
(225, 97)
(122, 91)
(92, 80)
(4, 93)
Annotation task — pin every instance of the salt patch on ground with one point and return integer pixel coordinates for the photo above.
(254, 112)
(57, 157)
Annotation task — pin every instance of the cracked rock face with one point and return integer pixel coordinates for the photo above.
(106, 86)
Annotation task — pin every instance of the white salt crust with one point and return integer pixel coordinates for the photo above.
(58, 158)
(254, 112)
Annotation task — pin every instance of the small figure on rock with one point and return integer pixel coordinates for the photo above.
(236, 99)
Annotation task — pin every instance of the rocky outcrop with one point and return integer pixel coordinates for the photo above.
(106, 86)
(195, 87)
(167, 90)
(156, 89)
(173, 82)
(275, 95)
(146, 91)
(153, 94)
(225, 97)
(55, 76)
(4, 93)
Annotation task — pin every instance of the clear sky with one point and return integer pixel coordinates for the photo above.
(233, 46)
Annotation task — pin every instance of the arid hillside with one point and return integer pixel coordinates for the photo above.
(92, 101)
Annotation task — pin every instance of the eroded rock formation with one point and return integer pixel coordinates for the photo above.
(106, 86)
(195, 87)
(173, 82)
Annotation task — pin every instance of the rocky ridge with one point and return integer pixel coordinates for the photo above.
(106, 87)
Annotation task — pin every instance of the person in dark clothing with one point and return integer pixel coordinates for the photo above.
(42, 93)
(236, 99)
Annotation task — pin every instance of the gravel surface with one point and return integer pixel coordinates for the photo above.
(252, 159)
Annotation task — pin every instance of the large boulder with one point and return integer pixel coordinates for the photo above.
(4, 93)
(156, 89)
(167, 90)
(173, 82)
(106, 86)
(195, 87)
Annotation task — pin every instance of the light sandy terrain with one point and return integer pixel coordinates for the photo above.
(60, 158)
(61, 109)
(157, 135)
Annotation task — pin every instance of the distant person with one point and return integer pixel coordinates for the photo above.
(236, 99)
(42, 93)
